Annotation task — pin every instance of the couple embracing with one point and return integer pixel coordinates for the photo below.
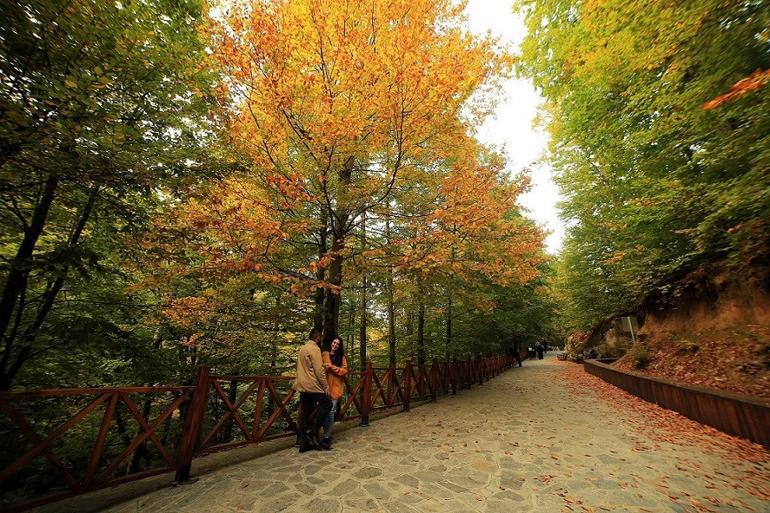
(320, 381)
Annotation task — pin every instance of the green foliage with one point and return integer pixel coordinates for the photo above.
(655, 185)
(102, 105)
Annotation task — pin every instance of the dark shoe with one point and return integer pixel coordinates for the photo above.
(326, 444)
(308, 443)
(315, 439)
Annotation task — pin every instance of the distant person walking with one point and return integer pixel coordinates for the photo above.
(313, 390)
(540, 349)
(336, 366)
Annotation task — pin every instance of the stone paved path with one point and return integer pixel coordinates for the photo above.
(525, 441)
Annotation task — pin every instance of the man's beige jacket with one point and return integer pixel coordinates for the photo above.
(311, 375)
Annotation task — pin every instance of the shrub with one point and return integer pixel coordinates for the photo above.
(640, 355)
(687, 346)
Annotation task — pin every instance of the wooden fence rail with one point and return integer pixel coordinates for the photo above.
(120, 434)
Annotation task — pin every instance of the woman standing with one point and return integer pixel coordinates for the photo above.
(336, 369)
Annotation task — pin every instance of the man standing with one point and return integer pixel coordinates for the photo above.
(313, 389)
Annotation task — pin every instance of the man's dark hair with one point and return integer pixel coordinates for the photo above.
(314, 333)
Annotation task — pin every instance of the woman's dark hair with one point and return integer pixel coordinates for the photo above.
(336, 358)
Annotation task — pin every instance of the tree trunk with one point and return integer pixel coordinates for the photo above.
(232, 394)
(18, 271)
(339, 233)
(448, 326)
(7, 374)
(409, 331)
(334, 294)
(351, 322)
(362, 333)
(122, 428)
(420, 326)
(141, 451)
(274, 339)
(391, 303)
(449, 312)
(16, 282)
(318, 313)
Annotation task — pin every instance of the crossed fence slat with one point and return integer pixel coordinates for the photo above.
(259, 430)
(100, 467)
(368, 391)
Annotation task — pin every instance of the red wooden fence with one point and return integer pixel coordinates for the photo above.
(173, 425)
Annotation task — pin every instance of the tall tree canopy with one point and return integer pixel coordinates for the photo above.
(339, 100)
(340, 108)
(657, 181)
(101, 103)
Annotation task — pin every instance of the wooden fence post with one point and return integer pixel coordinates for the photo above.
(193, 420)
(407, 384)
(366, 393)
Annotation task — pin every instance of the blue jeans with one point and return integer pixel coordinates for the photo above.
(329, 420)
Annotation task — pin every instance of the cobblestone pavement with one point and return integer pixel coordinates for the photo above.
(525, 441)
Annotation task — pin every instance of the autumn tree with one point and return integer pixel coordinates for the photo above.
(471, 232)
(338, 101)
(352, 150)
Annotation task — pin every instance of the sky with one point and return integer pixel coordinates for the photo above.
(512, 125)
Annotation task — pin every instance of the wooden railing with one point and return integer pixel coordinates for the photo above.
(64, 442)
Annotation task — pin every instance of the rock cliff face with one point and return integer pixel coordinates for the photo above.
(715, 333)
